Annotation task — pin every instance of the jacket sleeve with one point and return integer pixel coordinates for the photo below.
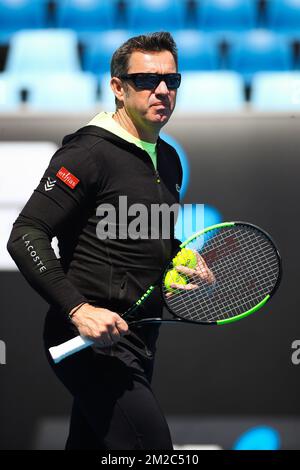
(68, 182)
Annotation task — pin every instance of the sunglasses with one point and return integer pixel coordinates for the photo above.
(149, 81)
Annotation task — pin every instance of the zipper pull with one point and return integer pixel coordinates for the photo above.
(157, 176)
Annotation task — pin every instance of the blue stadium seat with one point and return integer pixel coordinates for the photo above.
(284, 16)
(64, 92)
(224, 15)
(9, 93)
(278, 91)
(210, 92)
(196, 51)
(100, 48)
(154, 15)
(40, 52)
(85, 16)
(20, 14)
(260, 50)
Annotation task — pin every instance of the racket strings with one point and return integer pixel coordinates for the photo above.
(245, 266)
(232, 300)
(214, 309)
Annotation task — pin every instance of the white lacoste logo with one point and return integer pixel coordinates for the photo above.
(177, 187)
(49, 184)
(33, 253)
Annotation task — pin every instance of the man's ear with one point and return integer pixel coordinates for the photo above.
(117, 88)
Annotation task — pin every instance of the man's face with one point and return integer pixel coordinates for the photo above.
(152, 107)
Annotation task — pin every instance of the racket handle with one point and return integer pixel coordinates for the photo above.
(69, 347)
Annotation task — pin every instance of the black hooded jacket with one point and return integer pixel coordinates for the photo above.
(95, 167)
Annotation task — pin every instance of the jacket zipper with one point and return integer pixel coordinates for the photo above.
(158, 181)
(157, 176)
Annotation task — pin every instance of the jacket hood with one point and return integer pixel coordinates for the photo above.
(101, 133)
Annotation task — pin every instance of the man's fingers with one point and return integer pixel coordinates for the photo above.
(121, 325)
(201, 264)
(202, 271)
(198, 256)
(181, 287)
(103, 340)
(184, 286)
(200, 261)
(186, 270)
(114, 333)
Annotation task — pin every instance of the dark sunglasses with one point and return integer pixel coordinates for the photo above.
(149, 81)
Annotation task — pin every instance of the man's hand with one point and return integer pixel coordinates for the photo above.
(201, 273)
(102, 326)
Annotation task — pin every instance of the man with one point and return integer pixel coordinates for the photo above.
(95, 280)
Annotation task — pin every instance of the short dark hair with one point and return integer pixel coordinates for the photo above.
(153, 42)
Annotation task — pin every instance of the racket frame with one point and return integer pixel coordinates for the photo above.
(226, 321)
(76, 344)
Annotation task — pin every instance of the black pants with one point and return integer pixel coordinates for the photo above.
(114, 407)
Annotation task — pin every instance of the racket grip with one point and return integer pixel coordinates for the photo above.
(60, 352)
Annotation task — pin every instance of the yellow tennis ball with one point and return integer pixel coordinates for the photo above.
(174, 277)
(185, 257)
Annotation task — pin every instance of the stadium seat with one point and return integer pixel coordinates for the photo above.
(85, 16)
(64, 92)
(196, 51)
(210, 92)
(99, 49)
(20, 14)
(276, 91)
(42, 52)
(9, 94)
(223, 15)
(284, 16)
(259, 50)
(153, 15)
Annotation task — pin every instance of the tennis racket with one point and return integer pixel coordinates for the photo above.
(220, 275)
